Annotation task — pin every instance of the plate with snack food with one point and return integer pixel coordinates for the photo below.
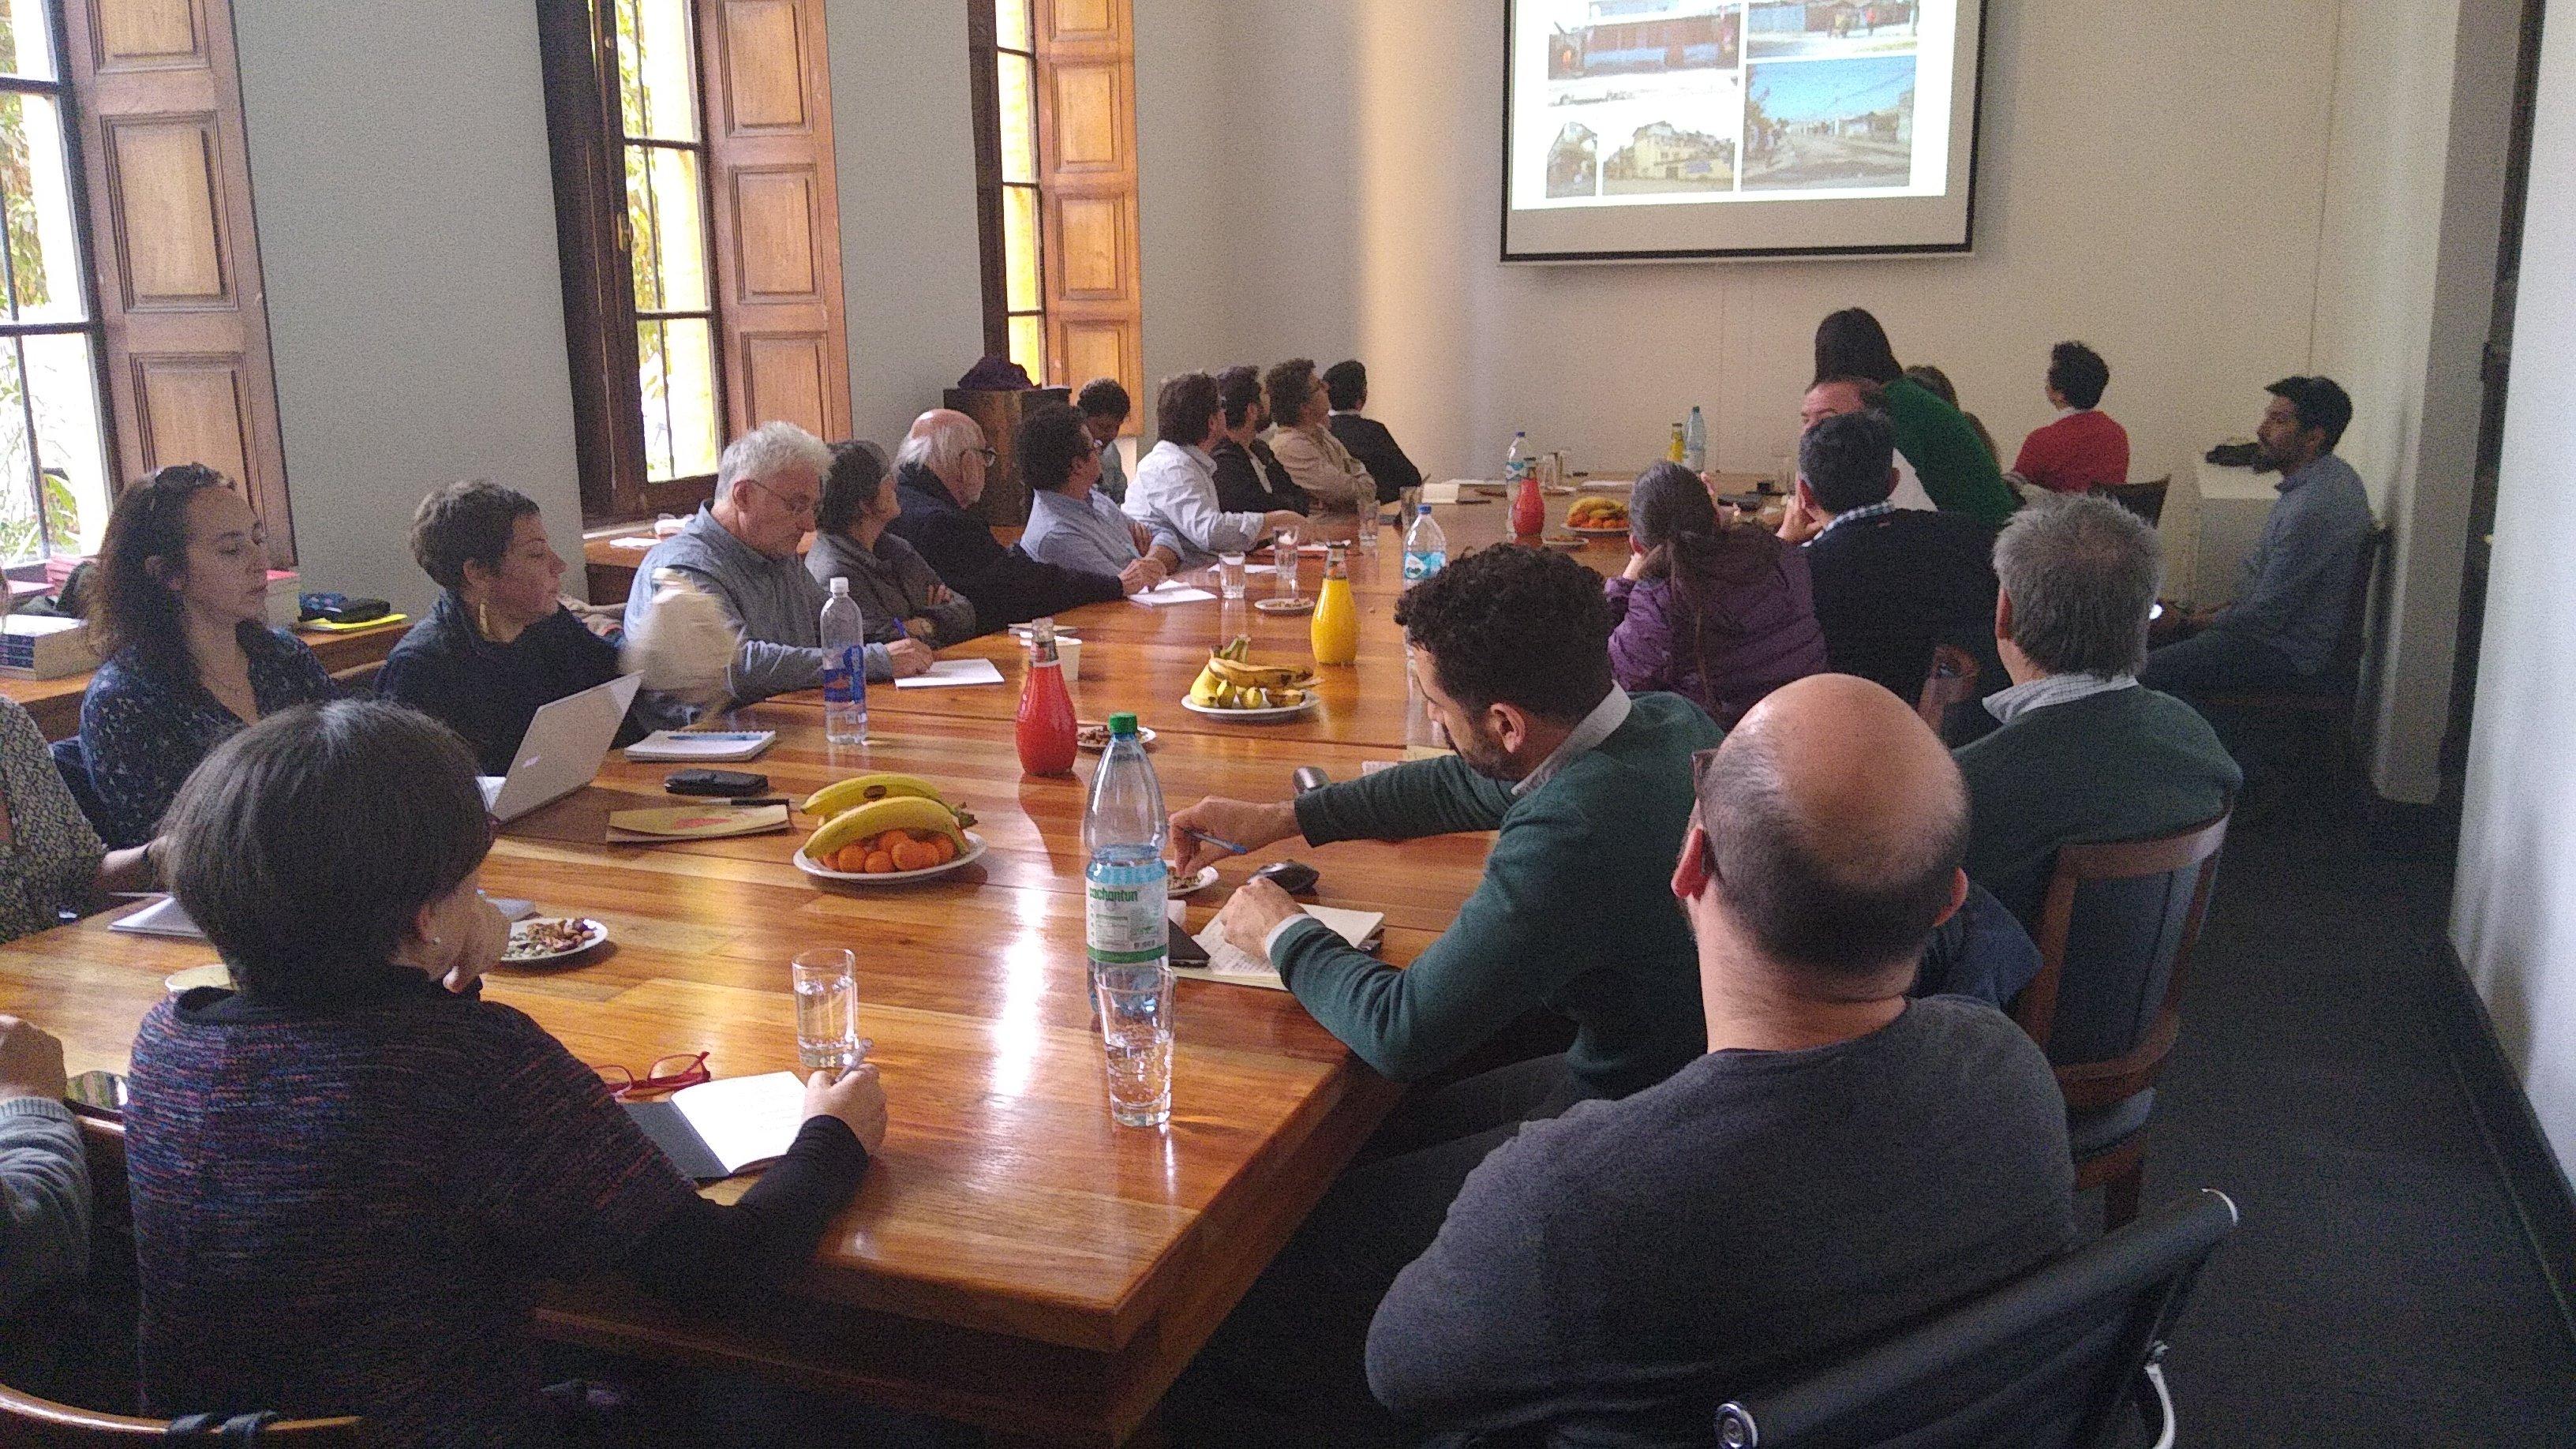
(1597, 517)
(885, 828)
(1093, 738)
(540, 939)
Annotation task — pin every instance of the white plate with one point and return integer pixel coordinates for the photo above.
(1250, 716)
(216, 973)
(1144, 736)
(1195, 884)
(512, 956)
(973, 852)
(1617, 530)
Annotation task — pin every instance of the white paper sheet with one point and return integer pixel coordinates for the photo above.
(1440, 492)
(744, 1120)
(1162, 594)
(949, 673)
(161, 918)
(1226, 963)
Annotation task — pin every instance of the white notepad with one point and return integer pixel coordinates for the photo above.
(1225, 963)
(161, 918)
(730, 1124)
(948, 673)
(1162, 594)
(1440, 492)
(697, 746)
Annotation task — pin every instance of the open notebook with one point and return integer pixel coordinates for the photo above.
(1225, 963)
(716, 1129)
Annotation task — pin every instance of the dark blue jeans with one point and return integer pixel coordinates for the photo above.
(2219, 661)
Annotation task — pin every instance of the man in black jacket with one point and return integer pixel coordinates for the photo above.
(1367, 438)
(939, 474)
(1890, 583)
(1249, 477)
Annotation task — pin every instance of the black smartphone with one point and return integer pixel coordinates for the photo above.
(1184, 948)
(729, 783)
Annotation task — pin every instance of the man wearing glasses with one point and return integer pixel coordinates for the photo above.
(743, 549)
(940, 474)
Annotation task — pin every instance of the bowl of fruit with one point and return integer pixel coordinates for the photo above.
(886, 829)
(1233, 686)
(1597, 517)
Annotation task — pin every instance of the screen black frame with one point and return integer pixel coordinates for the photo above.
(1966, 244)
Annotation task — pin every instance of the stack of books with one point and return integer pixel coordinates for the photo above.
(33, 646)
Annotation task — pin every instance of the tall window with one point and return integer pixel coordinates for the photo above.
(697, 215)
(54, 493)
(1054, 87)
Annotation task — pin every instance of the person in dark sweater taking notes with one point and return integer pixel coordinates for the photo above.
(350, 1173)
(1590, 790)
(2085, 753)
(1840, 1162)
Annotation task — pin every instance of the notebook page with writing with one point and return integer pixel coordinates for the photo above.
(1226, 963)
(744, 1120)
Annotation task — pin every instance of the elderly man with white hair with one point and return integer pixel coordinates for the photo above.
(742, 549)
(940, 474)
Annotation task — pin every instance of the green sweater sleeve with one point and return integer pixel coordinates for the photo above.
(1418, 798)
(1957, 471)
(1503, 954)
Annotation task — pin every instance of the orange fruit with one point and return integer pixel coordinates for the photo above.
(850, 858)
(946, 847)
(913, 855)
(879, 863)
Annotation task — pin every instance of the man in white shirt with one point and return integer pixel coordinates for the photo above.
(1174, 491)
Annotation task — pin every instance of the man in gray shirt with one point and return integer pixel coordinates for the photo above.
(1072, 524)
(1841, 1162)
(2291, 599)
(742, 548)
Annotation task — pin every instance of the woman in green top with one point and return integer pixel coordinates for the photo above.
(1957, 468)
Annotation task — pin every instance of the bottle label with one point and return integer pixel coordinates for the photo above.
(1419, 566)
(1123, 915)
(845, 675)
(1515, 469)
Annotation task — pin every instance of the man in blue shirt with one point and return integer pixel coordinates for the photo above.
(1072, 523)
(2291, 599)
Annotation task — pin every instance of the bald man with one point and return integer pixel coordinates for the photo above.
(1842, 1161)
(939, 474)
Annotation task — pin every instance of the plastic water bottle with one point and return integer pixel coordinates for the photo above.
(1517, 461)
(1695, 442)
(1426, 548)
(845, 668)
(1127, 882)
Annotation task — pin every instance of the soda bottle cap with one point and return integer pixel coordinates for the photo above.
(840, 588)
(1122, 725)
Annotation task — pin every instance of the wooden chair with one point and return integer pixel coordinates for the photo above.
(2147, 500)
(2329, 705)
(2115, 936)
(1953, 680)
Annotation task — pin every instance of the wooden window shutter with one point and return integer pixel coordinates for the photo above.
(157, 96)
(1087, 172)
(777, 215)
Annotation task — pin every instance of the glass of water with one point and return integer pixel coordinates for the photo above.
(1136, 1035)
(827, 1009)
(1283, 553)
(1229, 572)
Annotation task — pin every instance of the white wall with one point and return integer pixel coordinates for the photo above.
(2514, 918)
(910, 264)
(415, 302)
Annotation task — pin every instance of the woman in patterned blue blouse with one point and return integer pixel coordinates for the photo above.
(181, 614)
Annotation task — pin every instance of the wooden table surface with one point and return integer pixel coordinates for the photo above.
(55, 703)
(1014, 1259)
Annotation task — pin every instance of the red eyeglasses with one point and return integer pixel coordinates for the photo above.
(667, 1074)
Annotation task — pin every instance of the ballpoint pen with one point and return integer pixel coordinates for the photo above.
(1228, 846)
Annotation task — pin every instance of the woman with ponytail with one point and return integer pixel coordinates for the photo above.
(1721, 614)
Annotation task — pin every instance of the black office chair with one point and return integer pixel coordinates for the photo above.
(2051, 1360)
(72, 763)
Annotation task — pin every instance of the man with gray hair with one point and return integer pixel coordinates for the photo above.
(742, 549)
(939, 474)
(2086, 753)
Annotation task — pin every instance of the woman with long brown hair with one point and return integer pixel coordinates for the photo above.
(181, 617)
(1717, 613)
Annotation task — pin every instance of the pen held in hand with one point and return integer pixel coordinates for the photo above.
(1228, 846)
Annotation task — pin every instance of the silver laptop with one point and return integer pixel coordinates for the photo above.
(562, 750)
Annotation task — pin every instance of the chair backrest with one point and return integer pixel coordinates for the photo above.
(27, 1422)
(2050, 1360)
(72, 763)
(2115, 933)
(358, 681)
(1953, 680)
(2147, 500)
(2356, 606)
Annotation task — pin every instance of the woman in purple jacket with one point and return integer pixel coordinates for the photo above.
(1720, 614)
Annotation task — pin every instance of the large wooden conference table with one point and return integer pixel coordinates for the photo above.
(1013, 1259)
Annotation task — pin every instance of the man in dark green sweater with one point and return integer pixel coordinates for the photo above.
(1591, 791)
(2086, 753)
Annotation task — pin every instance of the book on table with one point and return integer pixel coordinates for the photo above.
(716, 1129)
(698, 746)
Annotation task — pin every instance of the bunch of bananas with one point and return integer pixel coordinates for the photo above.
(882, 822)
(1232, 681)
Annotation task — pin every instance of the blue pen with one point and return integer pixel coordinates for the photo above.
(1228, 846)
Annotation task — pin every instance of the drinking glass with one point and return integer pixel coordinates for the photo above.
(827, 1009)
(1283, 554)
(1136, 1040)
(1369, 523)
(1229, 572)
(1408, 503)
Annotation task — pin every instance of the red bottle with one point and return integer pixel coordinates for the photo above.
(1529, 510)
(1047, 745)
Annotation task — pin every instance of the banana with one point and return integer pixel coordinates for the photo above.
(840, 795)
(900, 812)
(1258, 676)
(1203, 691)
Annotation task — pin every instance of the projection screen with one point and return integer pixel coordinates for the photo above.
(1638, 130)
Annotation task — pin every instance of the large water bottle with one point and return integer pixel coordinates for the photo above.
(1517, 461)
(1695, 442)
(845, 668)
(1426, 548)
(1124, 890)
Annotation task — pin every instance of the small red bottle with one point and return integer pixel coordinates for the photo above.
(1529, 510)
(1046, 724)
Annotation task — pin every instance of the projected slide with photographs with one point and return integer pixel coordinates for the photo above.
(1641, 129)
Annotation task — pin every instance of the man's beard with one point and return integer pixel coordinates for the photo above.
(1484, 757)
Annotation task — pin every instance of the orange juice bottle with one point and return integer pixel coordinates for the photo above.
(1335, 631)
